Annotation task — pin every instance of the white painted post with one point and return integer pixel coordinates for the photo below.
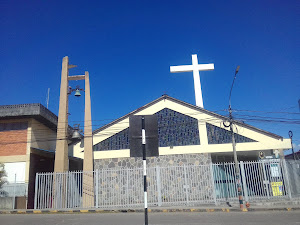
(266, 180)
(186, 184)
(14, 198)
(158, 183)
(295, 170)
(213, 183)
(287, 179)
(244, 181)
(127, 187)
(97, 188)
(36, 190)
(66, 189)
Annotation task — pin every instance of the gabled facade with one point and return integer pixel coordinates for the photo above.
(185, 131)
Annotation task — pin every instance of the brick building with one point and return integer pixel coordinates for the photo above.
(27, 146)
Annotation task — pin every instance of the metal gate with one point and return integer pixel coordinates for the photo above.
(167, 186)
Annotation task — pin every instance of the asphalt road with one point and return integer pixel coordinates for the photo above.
(192, 218)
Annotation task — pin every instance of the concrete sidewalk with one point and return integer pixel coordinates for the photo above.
(209, 208)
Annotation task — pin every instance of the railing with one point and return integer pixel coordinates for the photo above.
(167, 186)
(14, 190)
(261, 180)
(9, 192)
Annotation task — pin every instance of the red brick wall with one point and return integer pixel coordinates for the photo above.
(16, 142)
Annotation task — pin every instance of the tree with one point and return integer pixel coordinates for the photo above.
(2, 179)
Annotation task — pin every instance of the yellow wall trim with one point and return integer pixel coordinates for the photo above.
(13, 158)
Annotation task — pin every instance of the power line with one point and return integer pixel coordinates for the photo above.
(212, 119)
(207, 119)
(241, 110)
(113, 131)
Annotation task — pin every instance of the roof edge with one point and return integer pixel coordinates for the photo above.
(164, 97)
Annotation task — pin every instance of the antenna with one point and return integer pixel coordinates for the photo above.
(48, 95)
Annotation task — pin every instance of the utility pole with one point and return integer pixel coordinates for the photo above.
(236, 163)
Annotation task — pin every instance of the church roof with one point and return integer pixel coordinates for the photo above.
(166, 97)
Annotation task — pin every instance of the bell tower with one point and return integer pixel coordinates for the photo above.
(61, 153)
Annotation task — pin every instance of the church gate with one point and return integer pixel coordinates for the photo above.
(186, 185)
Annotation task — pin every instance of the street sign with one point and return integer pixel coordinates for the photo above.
(135, 136)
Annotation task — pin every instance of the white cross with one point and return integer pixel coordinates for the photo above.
(195, 68)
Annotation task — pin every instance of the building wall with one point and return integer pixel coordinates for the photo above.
(20, 139)
(13, 138)
(42, 137)
(163, 160)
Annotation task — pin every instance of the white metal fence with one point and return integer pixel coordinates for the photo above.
(9, 192)
(14, 189)
(173, 185)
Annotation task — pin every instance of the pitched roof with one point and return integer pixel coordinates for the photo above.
(163, 97)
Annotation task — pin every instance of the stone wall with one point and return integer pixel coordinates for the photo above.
(163, 160)
(169, 181)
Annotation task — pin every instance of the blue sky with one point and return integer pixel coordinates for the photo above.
(128, 47)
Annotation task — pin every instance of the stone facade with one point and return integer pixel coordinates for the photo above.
(184, 179)
(163, 160)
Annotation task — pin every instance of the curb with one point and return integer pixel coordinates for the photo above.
(149, 210)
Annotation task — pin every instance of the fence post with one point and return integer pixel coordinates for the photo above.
(244, 181)
(66, 190)
(186, 184)
(295, 170)
(14, 198)
(213, 183)
(286, 176)
(35, 190)
(127, 187)
(97, 188)
(266, 181)
(158, 184)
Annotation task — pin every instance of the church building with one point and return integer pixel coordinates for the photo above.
(187, 135)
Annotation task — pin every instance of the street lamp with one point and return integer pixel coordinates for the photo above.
(236, 71)
(237, 168)
(291, 137)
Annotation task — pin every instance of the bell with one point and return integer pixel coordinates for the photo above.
(76, 134)
(77, 93)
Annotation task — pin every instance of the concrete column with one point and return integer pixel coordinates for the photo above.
(88, 161)
(61, 153)
(281, 154)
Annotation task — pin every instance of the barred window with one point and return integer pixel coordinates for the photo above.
(13, 126)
